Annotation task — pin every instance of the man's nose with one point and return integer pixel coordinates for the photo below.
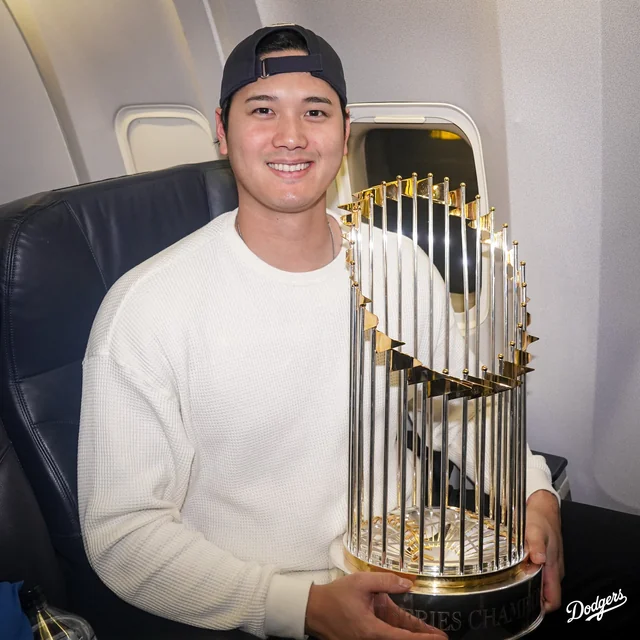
(290, 133)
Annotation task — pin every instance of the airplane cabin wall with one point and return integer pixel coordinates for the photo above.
(616, 420)
(551, 88)
(573, 140)
(133, 53)
(27, 123)
(552, 74)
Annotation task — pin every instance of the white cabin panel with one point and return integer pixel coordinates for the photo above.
(552, 79)
(616, 418)
(33, 152)
(105, 55)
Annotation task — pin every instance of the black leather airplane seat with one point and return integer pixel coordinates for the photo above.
(60, 252)
(26, 552)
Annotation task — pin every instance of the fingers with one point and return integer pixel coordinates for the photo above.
(377, 582)
(392, 622)
(551, 589)
(536, 542)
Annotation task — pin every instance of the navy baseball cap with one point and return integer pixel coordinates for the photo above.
(243, 66)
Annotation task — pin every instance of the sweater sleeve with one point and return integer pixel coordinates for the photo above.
(134, 464)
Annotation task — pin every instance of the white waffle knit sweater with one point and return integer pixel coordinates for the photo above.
(212, 462)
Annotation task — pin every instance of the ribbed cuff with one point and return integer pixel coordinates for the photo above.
(286, 606)
(538, 479)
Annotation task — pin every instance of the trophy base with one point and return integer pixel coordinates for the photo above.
(500, 606)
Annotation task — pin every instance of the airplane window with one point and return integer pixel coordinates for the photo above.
(157, 143)
(153, 137)
(390, 152)
(393, 151)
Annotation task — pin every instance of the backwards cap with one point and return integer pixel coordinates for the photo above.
(243, 66)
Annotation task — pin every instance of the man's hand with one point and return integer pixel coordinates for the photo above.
(543, 539)
(358, 607)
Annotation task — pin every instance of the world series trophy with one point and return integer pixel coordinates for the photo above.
(425, 400)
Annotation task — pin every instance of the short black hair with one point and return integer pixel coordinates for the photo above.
(284, 40)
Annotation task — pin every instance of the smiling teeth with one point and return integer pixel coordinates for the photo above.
(289, 167)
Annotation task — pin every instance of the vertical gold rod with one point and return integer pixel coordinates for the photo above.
(355, 293)
(506, 399)
(505, 351)
(444, 449)
(502, 406)
(444, 468)
(426, 492)
(372, 417)
(497, 512)
(483, 427)
(403, 471)
(505, 289)
(478, 284)
(523, 420)
(510, 455)
(400, 454)
(423, 476)
(431, 332)
(476, 369)
(513, 423)
(447, 274)
(480, 419)
(361, 344)
(493, 362)
(414, 212)
(353, 339)
(465, 274)
(465, 400)
(518, 505)
(523, 431)
(517, 448)
(387, 382)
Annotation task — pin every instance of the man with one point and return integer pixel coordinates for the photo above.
(215, 402)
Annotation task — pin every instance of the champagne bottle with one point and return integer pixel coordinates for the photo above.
(51, 623)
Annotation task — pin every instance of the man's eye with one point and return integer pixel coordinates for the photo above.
(263, 111)
(316, 113)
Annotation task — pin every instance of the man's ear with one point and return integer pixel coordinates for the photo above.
(220, 133)
(347, 130)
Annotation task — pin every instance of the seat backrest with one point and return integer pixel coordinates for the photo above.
(60, 252)
(26, 553)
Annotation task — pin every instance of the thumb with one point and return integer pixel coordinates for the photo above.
(536, 544)
(379, 582)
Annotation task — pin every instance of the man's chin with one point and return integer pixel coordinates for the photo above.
(294, 204)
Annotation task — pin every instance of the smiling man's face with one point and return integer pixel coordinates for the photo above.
(285, 140)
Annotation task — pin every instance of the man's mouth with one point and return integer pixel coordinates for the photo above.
(289, 168)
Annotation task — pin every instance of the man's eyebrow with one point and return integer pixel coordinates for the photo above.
(262, 98)
(315, 99)
(308, 100)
